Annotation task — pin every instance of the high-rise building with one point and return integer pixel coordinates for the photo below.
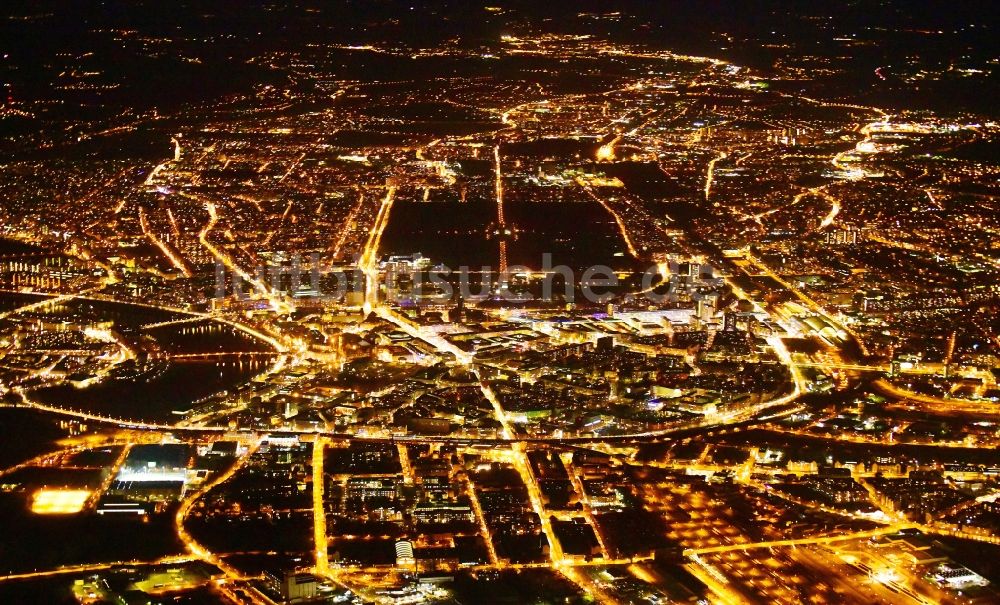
(404, 553)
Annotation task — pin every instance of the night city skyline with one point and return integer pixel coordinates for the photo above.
(404, 302)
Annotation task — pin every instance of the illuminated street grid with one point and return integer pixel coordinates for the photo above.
(809, 416)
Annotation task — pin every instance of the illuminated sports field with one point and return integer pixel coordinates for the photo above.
(59, 501)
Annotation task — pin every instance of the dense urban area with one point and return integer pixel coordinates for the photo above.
(517, 302)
